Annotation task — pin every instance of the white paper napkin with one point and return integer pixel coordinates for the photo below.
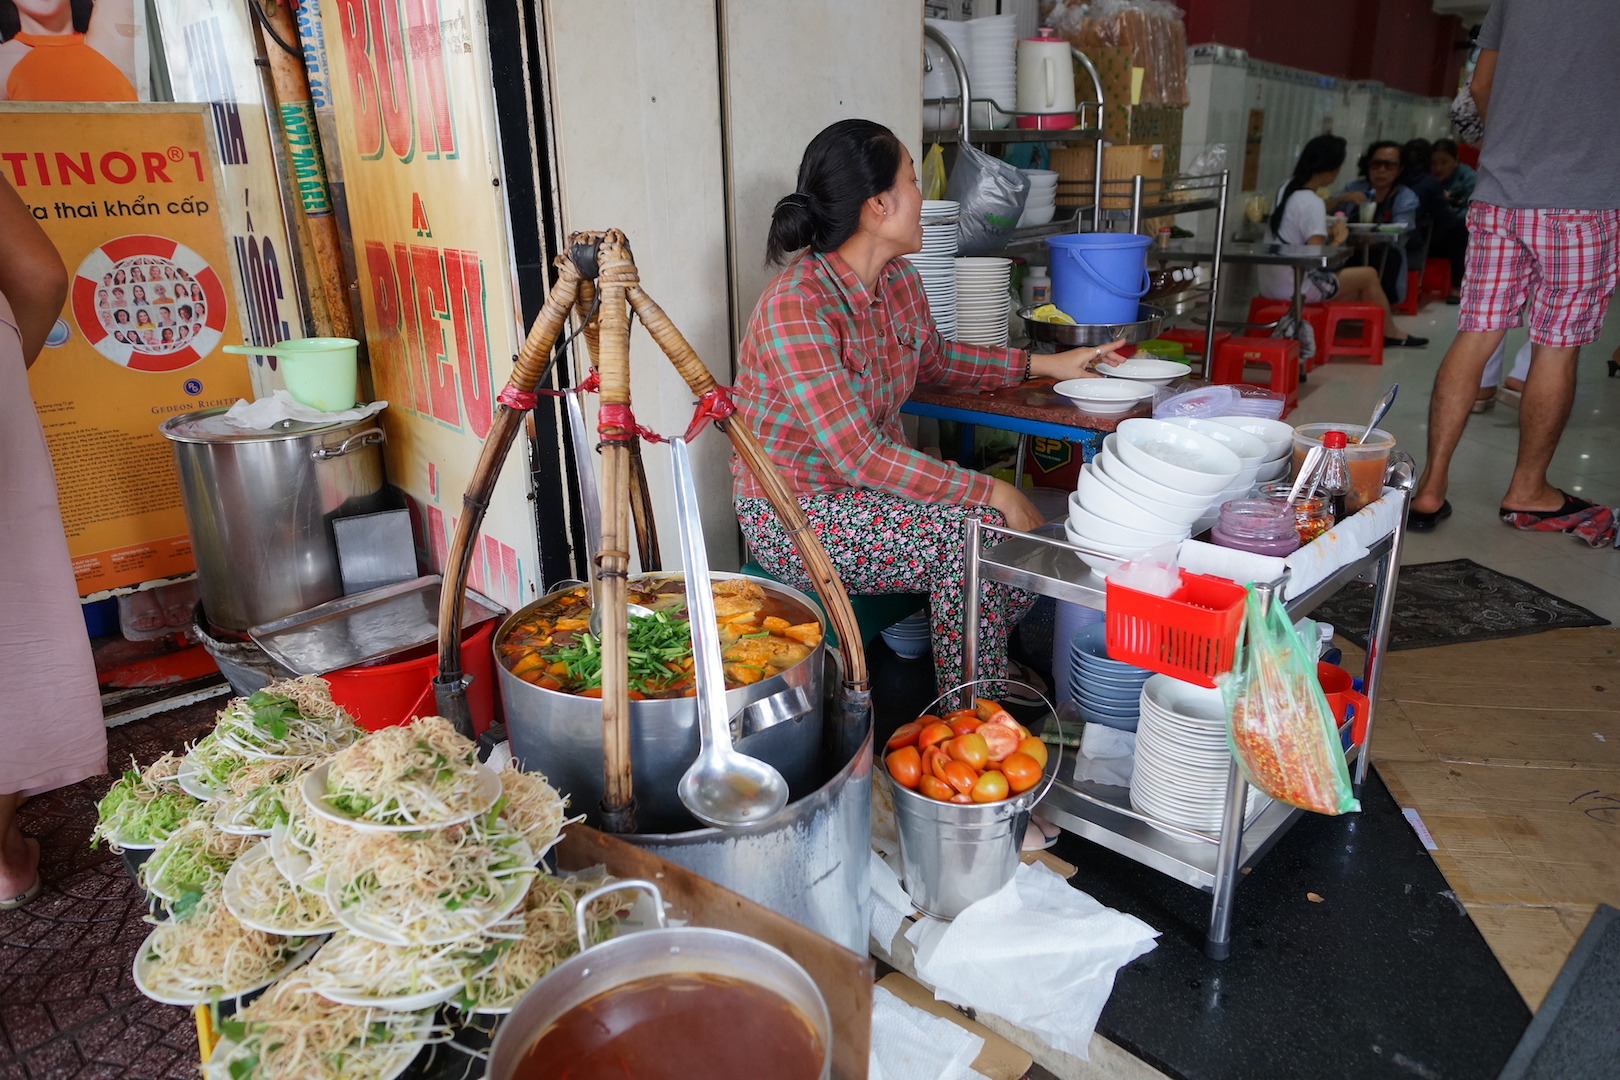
(890, 904)
(265, 413)
(910, 1044)
(1039, 954)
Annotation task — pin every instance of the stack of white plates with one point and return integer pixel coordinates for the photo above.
(1106, 691)
(993, 67)
(911, 637)
(1042, 202)
(983, 300)
(936, 262)
(1182, 756)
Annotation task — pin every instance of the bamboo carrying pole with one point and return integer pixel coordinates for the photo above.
(296, 111)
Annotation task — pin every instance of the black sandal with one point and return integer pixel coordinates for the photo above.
(1410, 341)
(1423, 521)
(1572, 505)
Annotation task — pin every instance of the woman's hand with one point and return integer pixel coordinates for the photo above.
(1015, 507)
(1357, 197)
(1075, 363)
(1338, 232)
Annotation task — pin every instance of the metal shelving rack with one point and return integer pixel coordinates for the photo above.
(1212, 862)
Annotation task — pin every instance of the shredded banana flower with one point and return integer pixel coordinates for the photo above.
(192, 861)
(210, 954)
(534, 808)
(417, 774)
(258, 894)
(549, 938)
(293, 1032)
(353, 966)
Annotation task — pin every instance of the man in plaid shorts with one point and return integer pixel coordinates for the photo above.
(1543, 237)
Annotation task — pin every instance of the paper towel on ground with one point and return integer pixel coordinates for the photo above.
(890, 905)
(267, 412)
(1039, 954)
(909, 1044)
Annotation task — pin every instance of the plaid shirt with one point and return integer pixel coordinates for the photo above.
(826, 365)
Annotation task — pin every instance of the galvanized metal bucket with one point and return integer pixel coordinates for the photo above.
(954, 854)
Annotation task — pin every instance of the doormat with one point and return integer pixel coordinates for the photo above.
(1443, 603)
(1574, 1034)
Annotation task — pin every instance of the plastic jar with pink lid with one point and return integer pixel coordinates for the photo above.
(1256, 525)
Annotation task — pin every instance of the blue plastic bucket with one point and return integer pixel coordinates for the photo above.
(1098, 277)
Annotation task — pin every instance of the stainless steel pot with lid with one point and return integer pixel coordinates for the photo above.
(260, 506)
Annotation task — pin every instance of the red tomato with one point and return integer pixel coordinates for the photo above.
(933, 762)
(991, 787)
(989, 711)
(963, 799)
(905, 765)
(1035, 749)
(970, 749)
(961, 776)
(905, 735)
(999, 739)
(935, 789)
(934, 733)
(1011, 725)
(1021, 771)
(960, 714)
(963, 725)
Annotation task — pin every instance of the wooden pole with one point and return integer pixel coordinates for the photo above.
(304, 158)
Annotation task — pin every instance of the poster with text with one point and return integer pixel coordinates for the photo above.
(408, 81)
(129, 196)
(74, 50)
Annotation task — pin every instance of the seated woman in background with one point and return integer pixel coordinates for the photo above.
(1441, 233)
(1394, 204)
(1456, 179)
(1300, 217)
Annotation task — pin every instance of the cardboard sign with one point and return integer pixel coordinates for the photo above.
(128, 195)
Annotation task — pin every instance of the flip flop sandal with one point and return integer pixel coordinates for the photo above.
(29, 894)
(1533, 519)
(1046, 841)
(1421, 521)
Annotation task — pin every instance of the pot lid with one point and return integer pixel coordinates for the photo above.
(210, 426)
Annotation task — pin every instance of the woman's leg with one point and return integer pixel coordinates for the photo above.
(881, 543)
(1360, 283)
(19, 855)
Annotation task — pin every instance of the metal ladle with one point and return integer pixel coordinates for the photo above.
(1379, 410)
(723, 788)
(590, 503)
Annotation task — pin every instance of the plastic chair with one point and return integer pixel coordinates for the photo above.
(1281, 355)
(874, 612)
(1369, 343)
(1409, 306)
(1436, 279)
(1263, 312)
(1191, 340)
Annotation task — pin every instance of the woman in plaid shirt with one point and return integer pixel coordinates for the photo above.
(835, 346)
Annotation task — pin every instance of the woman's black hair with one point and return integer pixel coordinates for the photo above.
(1415, 156)
(846, 164)
(1381, 144)
(11, 21)
(1444, 146)
(1325, 153)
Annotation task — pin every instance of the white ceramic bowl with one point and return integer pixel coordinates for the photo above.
(1101, 565)
(1146, 369)
(1092, 475)
(1278, 436)
(1249, 449)
(1103, 397)
(1125, 537)
(1272, 471)
(1114, 467)
(1176, 457)
(1095, 497)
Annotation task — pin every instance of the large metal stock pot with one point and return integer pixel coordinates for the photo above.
(260, 506)
(778, 720)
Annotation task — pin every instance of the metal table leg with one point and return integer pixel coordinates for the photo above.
(1389, 570)
(970, 600)
(1228, 863)
(1019, 458)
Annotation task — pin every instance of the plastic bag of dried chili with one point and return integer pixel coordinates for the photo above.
(1280, 728)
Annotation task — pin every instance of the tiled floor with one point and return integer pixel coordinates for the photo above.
(1587, 463)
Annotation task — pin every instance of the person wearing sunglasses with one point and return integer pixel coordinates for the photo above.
(1394, 204)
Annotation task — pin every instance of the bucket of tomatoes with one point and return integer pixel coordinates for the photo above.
(965, 776)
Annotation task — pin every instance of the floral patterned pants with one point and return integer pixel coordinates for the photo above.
(882, 543)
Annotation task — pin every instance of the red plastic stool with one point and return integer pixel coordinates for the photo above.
(1192, 341)
(1369, 343)
(1409, 306)
(1279, 354)
(1436, 279)
(1263, 312)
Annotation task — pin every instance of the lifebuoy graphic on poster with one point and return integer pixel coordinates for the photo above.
(149, 303)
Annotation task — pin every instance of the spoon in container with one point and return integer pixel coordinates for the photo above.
(1379, 410)
(723, 788)
(590, 502)
(1307, 474)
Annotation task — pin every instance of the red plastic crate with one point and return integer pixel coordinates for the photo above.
(1190, 634)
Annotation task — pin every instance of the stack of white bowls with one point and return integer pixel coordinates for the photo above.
(1278, 438)
(936, 262)
(993, 67)
(1041, 205)
(1106, 691)
(911, 637)
(983, 301)
(940, 79)
(1182, 756)
(1150, 483)
(1250, 451)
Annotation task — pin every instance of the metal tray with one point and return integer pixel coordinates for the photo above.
(1148, 322)
(366, 626)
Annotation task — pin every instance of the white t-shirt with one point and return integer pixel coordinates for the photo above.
(1304, 216)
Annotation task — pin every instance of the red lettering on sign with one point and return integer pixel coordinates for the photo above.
(362, 79)
(82, 168)
(16, 159)
(433, 125)
(432, 311)
(436, 538)
(156, 166)
(118, 157)
(466, 276)
(389, 367)
(413, 346)
(44, 173)
(393, 76)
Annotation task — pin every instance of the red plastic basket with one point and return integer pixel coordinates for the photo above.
(1190, 634)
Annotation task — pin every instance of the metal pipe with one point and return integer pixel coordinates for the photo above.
(970, 600)
(949, 49)
(1136, 204)
(1097, 173)
(1229, 856)
(1215, 275)
(1389, 571)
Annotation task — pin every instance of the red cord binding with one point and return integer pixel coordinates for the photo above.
(513, 398)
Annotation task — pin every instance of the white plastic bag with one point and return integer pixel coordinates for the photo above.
(991, 193)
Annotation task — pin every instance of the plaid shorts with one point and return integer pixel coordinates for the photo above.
(1562, 263)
